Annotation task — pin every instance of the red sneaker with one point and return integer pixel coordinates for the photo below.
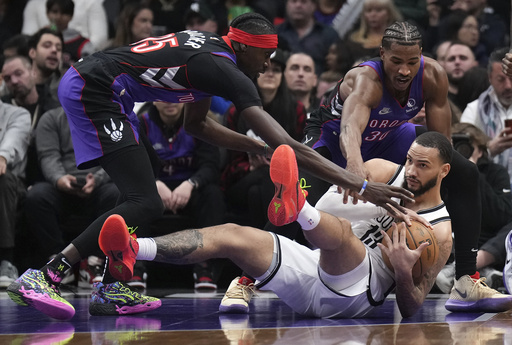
(289, 197)
(120, 245)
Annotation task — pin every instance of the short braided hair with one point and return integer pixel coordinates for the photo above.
(253, 23)
(402, 33)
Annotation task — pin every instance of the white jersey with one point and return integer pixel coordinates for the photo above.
(296, 277)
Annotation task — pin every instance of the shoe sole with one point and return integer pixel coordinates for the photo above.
(42, 302)
(105, 309)
(285, 176)
(508, 246)
(234, 309)
(486, 305)
(114, 239)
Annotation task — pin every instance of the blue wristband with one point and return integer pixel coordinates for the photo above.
(363, 188)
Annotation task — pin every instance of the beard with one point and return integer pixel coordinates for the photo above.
(422, 189)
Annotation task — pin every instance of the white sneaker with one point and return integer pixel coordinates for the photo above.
(238, 296)
(8, 273)
(507, 269)
(446, 277)
(473, 295)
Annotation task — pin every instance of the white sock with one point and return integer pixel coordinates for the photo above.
(309, 217)
(147, 249)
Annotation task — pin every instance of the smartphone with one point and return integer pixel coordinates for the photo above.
(80, 182)
(508, 123)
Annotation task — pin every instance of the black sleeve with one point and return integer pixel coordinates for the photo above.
(219, 76)
(496, 199)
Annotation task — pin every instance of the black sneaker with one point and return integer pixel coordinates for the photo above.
(203, 278)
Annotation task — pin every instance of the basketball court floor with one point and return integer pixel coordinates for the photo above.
(188, 317)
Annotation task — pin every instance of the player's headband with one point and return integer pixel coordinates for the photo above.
(259, 41)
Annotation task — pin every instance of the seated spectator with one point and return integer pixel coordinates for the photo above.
(471, 85)
(135, 23)
(301, 79)
(20, 79)
(459, 60)
(188, 182)
(66, 190)
(91, 21)
(246, 177)
(496, 204)
(14, 139)
(491, 109)
(463, 27)
(376, 16)
(302, 33)
(200, 17)
(60, 13)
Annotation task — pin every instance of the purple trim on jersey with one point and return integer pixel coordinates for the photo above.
(176, 154)
(226, 55)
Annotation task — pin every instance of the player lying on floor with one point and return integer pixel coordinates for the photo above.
(344, 277)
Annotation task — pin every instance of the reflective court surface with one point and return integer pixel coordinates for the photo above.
(188, 317)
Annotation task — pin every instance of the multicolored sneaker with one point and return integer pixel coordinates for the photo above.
(507, 269)
(289, 197)
(31, 289)
(118, 299)
(119, 243)
(238, 296)
(473, 295)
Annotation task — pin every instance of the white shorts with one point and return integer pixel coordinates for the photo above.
(298, 280)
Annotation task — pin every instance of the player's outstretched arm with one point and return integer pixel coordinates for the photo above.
(309, 160)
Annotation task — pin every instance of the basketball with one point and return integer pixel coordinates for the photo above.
(416, 234)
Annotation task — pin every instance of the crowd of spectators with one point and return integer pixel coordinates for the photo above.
(319, 41)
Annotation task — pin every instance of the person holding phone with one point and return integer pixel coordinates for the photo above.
(492, 111)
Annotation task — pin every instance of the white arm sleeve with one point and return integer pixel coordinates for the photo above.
(332, 202)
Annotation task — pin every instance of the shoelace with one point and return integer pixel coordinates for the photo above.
(303, 183)
(242, 292)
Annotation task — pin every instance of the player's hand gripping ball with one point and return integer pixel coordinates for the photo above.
(416, 234)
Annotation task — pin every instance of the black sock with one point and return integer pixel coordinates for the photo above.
(107, 277)
(54, 270)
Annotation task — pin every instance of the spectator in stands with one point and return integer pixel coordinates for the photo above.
(188, 182)
(303, 33)
(60, 13)
(200, 17)
(491, 26)
(376, 16)
(463, 27)
(134, 24)
(459, 59)
(91, 21)
(472, 84)
(66, 190)
(246, 177)
(20, 79)
(494, 183)
(302, 80)
(14, 139)
(492, 108)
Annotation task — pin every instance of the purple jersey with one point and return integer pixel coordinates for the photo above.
(388, 133)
